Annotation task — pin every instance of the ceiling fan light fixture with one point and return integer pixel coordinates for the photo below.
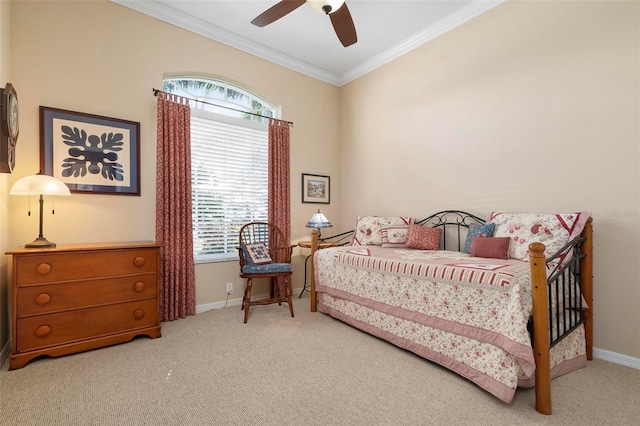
(326, 6)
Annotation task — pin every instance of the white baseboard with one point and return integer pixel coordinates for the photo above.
(616, 358)
(217, 305)
(235, 302)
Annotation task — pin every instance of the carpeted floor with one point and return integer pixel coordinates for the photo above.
(211, 369)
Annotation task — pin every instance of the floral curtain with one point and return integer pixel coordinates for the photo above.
(173, 208)
(279, 188)
(279, 179)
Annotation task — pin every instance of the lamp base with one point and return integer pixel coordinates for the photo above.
(40, 242)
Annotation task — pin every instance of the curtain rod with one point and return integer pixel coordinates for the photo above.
(156, 91)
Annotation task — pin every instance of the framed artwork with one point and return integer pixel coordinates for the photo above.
(316, 189)
(90, 153)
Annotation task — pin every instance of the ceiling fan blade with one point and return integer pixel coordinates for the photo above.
(343, 24)
(276, 12)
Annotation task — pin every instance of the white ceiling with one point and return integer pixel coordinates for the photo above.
(304, 40)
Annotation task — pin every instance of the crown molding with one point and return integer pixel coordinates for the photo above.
(181, 20)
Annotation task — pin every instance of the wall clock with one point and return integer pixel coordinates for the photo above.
(9, 128)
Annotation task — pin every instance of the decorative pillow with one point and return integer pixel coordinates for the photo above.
(395, 236)
(476, 230)
(368, 230)
(423, 237)
(496, 247)
(257, 254)
(553, 230)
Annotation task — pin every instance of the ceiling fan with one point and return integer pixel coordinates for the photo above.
(336, 9)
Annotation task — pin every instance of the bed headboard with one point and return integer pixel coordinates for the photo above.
(454, 224)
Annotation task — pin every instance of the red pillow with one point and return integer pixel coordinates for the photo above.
(423, 237)
(492, 247)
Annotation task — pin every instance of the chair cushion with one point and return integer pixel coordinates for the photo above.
(267, 268)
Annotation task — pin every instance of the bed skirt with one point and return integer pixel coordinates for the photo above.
(486, 365)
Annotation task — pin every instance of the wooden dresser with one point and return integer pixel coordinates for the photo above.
(78, 297)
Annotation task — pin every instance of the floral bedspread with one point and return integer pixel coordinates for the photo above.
(468, 314)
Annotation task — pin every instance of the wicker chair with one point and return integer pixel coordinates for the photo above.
(265, 253)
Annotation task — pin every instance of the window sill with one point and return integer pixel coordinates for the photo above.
(216, 259)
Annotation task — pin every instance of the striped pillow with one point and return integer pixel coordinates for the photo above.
(395, 236)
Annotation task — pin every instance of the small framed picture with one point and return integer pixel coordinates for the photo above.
(90, 153)
(316, 189)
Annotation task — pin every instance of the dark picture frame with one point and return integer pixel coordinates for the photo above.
(90, 153)
(316, 189)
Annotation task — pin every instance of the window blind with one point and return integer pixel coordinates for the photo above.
(229, 181)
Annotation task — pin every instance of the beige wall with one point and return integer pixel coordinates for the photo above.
(5, 10)
(101, 58)
(530, 107)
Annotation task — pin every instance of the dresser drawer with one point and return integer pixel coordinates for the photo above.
(47, 330)
(46, 268)
(48, 298)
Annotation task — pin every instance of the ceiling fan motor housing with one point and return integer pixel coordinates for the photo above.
(326, 6)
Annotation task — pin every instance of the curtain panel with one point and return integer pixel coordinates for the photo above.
(173, 208)
(279, 187)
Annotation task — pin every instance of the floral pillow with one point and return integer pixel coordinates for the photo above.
(476, 230)
(368, 230)
(395, 235)
(553, 230)
(423, 237)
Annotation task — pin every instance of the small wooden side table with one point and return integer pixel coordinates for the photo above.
(307, 244)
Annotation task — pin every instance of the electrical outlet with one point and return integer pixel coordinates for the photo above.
(229, 288)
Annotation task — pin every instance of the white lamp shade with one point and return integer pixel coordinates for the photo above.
(319, 4)
(318, 220)
(39, 184)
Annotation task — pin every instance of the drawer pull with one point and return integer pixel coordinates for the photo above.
(139, 286)
(139, 261)
(138, 314)
(43, 268)
(43, 298)
(43, 331)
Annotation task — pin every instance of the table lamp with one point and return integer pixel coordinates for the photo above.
(41, 185)
(319, 221)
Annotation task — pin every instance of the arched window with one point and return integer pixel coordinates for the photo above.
(220, 97)
(229, 142)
